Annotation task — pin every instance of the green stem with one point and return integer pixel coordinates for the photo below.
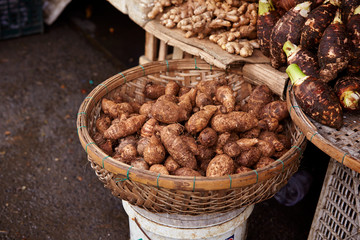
(296, 75)
(289, 48)
(265, 6)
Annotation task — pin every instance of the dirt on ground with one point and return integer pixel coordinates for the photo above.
(47, 188)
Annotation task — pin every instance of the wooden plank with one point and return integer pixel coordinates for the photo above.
(150, 46)
(203, 48)
(178, 53)
(265, 74)
(162, 51)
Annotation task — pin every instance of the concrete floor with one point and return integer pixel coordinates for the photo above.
(47, 187)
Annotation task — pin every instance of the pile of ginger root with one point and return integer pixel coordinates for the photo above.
(206, 130)
(231, 23)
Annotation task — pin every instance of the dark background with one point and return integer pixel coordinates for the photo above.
(47, 187)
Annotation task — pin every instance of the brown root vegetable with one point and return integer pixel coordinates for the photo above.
(145, 109)
(232, 149)
(159, 168)
(285, 140)
(267, 19)
(185, 171)
(148, 129)
(242, 169)
(348, 9)
(191, 142)
(252, 133)
(267, 149)
(198, 121)
(107, 147)
(207, 137)
(258, 98)
(115, 109)
(287, 28)
(154, 152)
(225, 95)
(249, 158)
(203, 99)
(209, 87)
(154, 90)
(166, 111)
(333, 53)
(263, 162)
(271, 138)
(233, 121)
(128, 152)
(176, 147)
(102, 123)
(141, 144)
(306, 60)
(316, 98)
(316, 23)
(353, 29)
(205, 153)
(125, 128)
(269, 123)
(245, 144)
(348, 91)
(223, 138)
(139, 163)
(220, 165)
(171, 165)
(172, 88)
(276, 109)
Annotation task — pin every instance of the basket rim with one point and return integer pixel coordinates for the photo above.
(312, 134)
(171, 181)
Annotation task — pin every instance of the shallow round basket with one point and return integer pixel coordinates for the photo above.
(342, 145)
(173, 194)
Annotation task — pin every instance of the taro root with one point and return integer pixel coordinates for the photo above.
(353, 29)
(306, 60)
(287, 28)
(267, 19)
(333, 53)
(348, 91)
(316, 98)
(316, 23)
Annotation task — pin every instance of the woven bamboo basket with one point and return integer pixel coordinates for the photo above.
(342, 145)
(173, 194)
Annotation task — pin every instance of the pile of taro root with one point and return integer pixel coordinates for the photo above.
(319, 43)
(201, 131)
(231, 24)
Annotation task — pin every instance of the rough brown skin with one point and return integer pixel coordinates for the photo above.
(225, 95)
(184, 171)
(139, 163)
(154, 152)
(263, 162)
(245, 144)
(125, 128)
(316, 23)
(220, 165)
(207, 137)
(252, 133)
(333, 53)
(209, 87)
(316, 98)
(128, 152)
(198, 121)
(266, 148)
(234, 121)
(107, 147)
(348, 7)
(318, 101)
(249, 158)
(271, 138)
(203, 99)
(353, 29)
(242, 169)
(348, 91)
(269, 123)
(287, 28)
(159, 168)
(265, 23)
(276, 109)
(153, 90)
(141, 144)
(145, 109)
(284, 139)
(115, 109)
(167, 111)
(205, 153)
(232, 149)
(171, 165)
(103, 123)
(305, 59)
(148, 129)
(191, 142)
(172, 88)
(258, 98)
(176, 147)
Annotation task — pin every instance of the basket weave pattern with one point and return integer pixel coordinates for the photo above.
(174, 194)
